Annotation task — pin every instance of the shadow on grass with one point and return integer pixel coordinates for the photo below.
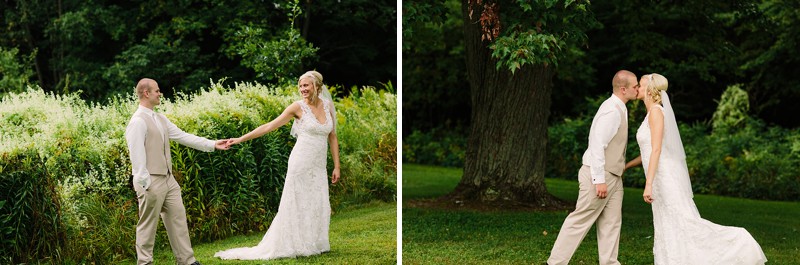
(434, 235)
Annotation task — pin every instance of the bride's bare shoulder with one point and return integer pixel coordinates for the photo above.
(295, 108)
(656, 114)
(657, 108)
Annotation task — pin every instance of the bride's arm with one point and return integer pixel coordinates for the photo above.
(656, 122)
(635, 162)
(289, 113)
(333, 140)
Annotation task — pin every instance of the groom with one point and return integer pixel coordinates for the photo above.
(600, 195)
(148, 135)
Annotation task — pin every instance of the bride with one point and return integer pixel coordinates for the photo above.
(300, 227)
(681, 235)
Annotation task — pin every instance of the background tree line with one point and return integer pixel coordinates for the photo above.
(482, 78)
(102, 47)
(702, 47)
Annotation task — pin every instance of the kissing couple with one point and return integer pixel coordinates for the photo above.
(681, 236)
(300, 227)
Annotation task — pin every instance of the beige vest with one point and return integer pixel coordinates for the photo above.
(615, 151)
(159, 160)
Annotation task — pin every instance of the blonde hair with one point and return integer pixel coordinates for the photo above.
(657, 84)
(316, 79)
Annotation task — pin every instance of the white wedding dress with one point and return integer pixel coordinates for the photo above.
(682, 237)
(300, 227)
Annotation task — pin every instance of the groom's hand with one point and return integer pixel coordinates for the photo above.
(602, 190)
(222, 145)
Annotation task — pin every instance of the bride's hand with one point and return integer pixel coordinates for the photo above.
(648, 194)
(234, 141)
(335, 175)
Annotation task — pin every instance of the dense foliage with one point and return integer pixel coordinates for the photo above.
(437, 147)
(98, 47)
(512, 49)
(66, 171)
(741, 156)
(702, 47)
(436, 91)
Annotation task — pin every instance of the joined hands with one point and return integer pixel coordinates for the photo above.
(233, 141)
(226, 144)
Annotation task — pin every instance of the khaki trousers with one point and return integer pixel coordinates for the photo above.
(162, 201)
(607, 213)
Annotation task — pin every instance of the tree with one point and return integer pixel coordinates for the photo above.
(14, 73)
(768, 33)
(280, 59)
(689, 43)
(356, 39)
(512, 51)
(704, 47)
(435, 94)
(102, 47)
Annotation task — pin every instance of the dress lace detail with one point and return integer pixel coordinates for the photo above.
(300, 227)
(681, 236)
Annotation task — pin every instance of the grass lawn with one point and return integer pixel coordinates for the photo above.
(438, 236)
(360, 235)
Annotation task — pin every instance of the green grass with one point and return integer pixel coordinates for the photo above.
(359, 235)
(427, 181)
(438, 236)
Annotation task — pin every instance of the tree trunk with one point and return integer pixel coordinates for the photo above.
(29, 40)
(507, 145)
(307, 22)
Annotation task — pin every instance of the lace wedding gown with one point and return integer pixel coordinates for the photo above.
(300, 227)
(681, 235)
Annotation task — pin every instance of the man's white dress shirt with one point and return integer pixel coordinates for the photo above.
(604, 126)
(136, 132)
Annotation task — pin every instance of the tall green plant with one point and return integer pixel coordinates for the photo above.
(75, 151)
(30, 212)
(732, 110)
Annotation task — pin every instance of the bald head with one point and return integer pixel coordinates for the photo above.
(148, 92)
(623, 78)
(145, 85)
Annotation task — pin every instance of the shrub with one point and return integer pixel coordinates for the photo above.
(732, 108)
(15, 70)
(742, 157)
(30, 220)
(101, 228)
(752, 162)
(371, 131)
(569, 138)
(439, 146)
(566, 145)
(68, 152)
